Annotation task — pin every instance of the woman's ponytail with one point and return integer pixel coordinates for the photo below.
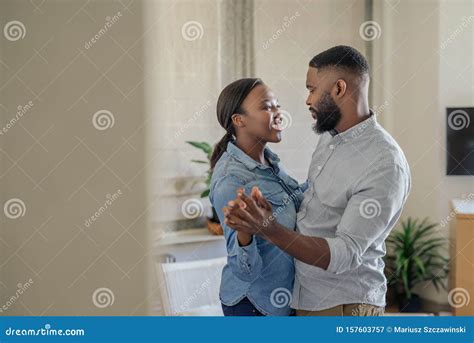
(219, 149)
(230, 103)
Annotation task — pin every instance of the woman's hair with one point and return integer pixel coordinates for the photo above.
(230, 102)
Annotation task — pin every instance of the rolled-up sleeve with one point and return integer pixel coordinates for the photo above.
(371, 212)
(245, 262)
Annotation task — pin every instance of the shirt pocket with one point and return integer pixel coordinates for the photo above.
(274, 193)
(282, 204)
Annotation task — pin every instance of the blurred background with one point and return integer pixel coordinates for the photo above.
(104, 211)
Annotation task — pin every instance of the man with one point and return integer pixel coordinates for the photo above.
(358, 182)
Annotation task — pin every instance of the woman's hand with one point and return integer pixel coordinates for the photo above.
(249, 215)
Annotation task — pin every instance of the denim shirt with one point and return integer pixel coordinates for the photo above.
(259, 271)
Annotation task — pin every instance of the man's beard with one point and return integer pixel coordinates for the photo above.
(328, 114)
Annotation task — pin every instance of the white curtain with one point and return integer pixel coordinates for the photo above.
(193, 49)
(236, 40)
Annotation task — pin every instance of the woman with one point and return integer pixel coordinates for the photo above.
(258, 277)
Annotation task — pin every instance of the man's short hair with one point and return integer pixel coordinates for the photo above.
(343, 57)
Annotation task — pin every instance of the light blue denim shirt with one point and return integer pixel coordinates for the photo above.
(259, 271)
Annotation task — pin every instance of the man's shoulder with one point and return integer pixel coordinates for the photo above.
(388, 150)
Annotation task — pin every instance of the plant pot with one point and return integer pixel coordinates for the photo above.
(391, 297)
(214, 225)
(409, 305)
(214, 228)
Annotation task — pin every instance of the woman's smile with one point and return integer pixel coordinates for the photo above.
(277, 124)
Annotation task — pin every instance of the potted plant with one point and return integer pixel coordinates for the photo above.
(415, 256)
(213, 224)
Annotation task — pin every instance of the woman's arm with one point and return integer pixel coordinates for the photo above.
(242, 251)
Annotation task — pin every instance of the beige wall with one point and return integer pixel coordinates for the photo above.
(64, 169)
(417, 78)
(287, 35)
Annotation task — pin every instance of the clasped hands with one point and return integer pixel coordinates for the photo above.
(249, 214)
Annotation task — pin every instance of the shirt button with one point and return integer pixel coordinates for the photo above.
(331, 146)
(319, 167)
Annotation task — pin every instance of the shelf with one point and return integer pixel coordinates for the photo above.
(464, 208)
(188, 236)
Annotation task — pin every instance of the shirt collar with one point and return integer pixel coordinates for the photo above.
(249, 162)
(357, 130)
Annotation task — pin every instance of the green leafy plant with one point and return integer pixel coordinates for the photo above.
(415, 256)
(207, 149)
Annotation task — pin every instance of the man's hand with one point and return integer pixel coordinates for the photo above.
(250, 215)
(254, 215)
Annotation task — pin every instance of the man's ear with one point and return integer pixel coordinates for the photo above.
(340, 88)
(237, 120)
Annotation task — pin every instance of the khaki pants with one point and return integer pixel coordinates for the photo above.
(345, 310)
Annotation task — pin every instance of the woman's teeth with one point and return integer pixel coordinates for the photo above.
(277, 125)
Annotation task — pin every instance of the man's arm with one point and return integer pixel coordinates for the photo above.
(370, 214)
(244, 215)
(307, 249)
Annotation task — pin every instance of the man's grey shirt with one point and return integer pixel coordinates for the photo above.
(358, 182)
